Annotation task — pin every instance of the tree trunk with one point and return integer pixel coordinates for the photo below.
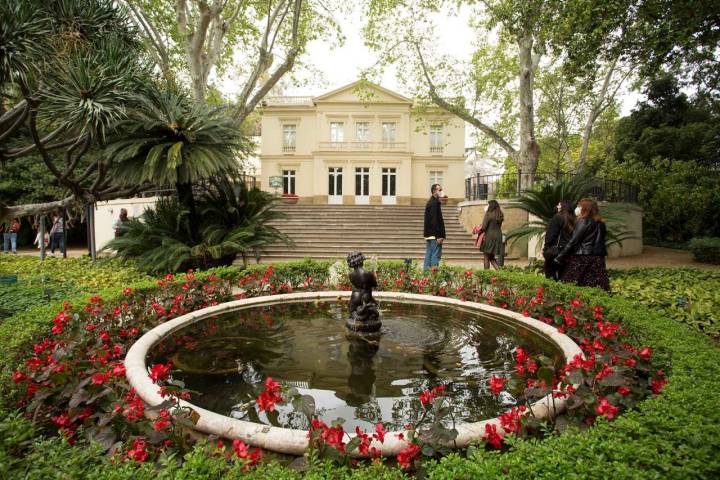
(187, 200)
(598, 108)
(529, 151)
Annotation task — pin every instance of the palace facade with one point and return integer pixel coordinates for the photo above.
(360, 144)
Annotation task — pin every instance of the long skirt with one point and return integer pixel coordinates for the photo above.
(586, 271)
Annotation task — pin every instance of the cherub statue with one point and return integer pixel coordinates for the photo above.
(364, 314)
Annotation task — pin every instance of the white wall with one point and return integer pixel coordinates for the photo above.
(106, 213)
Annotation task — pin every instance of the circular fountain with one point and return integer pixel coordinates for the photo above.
(364, 375)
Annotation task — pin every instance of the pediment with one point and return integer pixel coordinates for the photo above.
(362, 92)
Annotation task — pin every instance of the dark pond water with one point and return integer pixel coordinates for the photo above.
(226, 359)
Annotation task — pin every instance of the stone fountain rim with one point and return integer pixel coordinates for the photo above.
(294, 441)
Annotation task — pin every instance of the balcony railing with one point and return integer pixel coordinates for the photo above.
(288, 101)
(288, 148)
(364, 146)
(512, 185)
(436, 149)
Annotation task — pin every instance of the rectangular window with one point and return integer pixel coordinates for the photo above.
(436, 177)
(362, 181)
(436, 140)
(335, 181)
(337, 132)
(362, 131)
(388, 132)
(289, 135)
(288, 181)
(388, 181)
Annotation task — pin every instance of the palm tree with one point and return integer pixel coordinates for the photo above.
(541, 203)
(231, 224)
(170, 140)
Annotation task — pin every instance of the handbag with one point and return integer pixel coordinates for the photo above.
(480, 236)
(553, 250)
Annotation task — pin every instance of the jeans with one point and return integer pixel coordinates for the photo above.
(433, 252)
(9, 239)
(57, 240)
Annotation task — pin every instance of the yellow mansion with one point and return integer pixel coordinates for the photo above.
(359, 146)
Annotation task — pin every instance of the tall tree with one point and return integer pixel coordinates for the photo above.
(194, 38)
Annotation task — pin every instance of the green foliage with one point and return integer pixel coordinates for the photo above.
(168, 139)
(58, 279)
(687, 296)
(164, 239)
(706, 249)
(677, 198)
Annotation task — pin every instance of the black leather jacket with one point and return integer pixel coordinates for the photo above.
(588, 239)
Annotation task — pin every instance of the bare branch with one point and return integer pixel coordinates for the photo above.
(13, 112)
(19, 152)
(461, 111)
(13, 128)
(29, 209)
(153, 36)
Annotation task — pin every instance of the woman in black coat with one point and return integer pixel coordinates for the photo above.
(585, 253)
(492, 245)
(557, 235)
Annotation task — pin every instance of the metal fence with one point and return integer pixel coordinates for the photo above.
(512, 185)
(250, 182)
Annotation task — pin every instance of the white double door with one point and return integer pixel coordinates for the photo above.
(362, 186)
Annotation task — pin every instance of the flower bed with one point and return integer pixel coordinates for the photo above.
(658, 425)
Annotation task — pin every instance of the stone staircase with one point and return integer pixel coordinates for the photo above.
(385, 231)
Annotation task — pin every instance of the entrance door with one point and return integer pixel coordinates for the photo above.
(362, 185)
(389, 176)
(335, 186)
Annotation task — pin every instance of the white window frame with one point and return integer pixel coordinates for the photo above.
(289, 182)
(337, 132)
(389, 132)
(436, 176)
(289, 137)
(362, 132)
(436, 138)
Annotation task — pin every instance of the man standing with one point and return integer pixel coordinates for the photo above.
(434, 228)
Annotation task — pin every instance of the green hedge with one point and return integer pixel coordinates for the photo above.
(673, 435)
(686, 295)
(706, 249)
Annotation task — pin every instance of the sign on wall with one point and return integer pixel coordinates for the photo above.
(276, 181)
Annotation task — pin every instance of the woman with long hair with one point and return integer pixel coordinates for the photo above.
(585, 253)
(558, 234)
(492, 245)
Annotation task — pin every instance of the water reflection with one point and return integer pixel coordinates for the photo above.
(227, 358)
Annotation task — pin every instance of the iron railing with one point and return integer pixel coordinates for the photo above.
(512, 185)
(249, 180)
(360, 146)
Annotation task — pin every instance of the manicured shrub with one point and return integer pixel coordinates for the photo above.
(706, 250)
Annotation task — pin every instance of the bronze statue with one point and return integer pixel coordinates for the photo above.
(364, 314)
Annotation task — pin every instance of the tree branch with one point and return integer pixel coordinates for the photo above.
(18, 121)
(26, 210)
(153, 35)
(462, 112)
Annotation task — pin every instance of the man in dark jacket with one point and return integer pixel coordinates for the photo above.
(434, 228)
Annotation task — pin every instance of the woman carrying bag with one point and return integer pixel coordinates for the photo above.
(557, 235)
(490, 239)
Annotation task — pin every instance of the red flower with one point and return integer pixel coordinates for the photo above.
(18, 377)
(137, 452)
(511, 421)
(624, 391)
(269, 397)
(426, 397)
(160, 372)
(127, 291)
(521, 355)
(492, 436)
(658, 384)
(607, 409)
(62, 421)
(161, 425)
(379, 433)
(104, 336)
(119, 370)
(99, 378)
(497, 384)
(645, 353)
(408, 455)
